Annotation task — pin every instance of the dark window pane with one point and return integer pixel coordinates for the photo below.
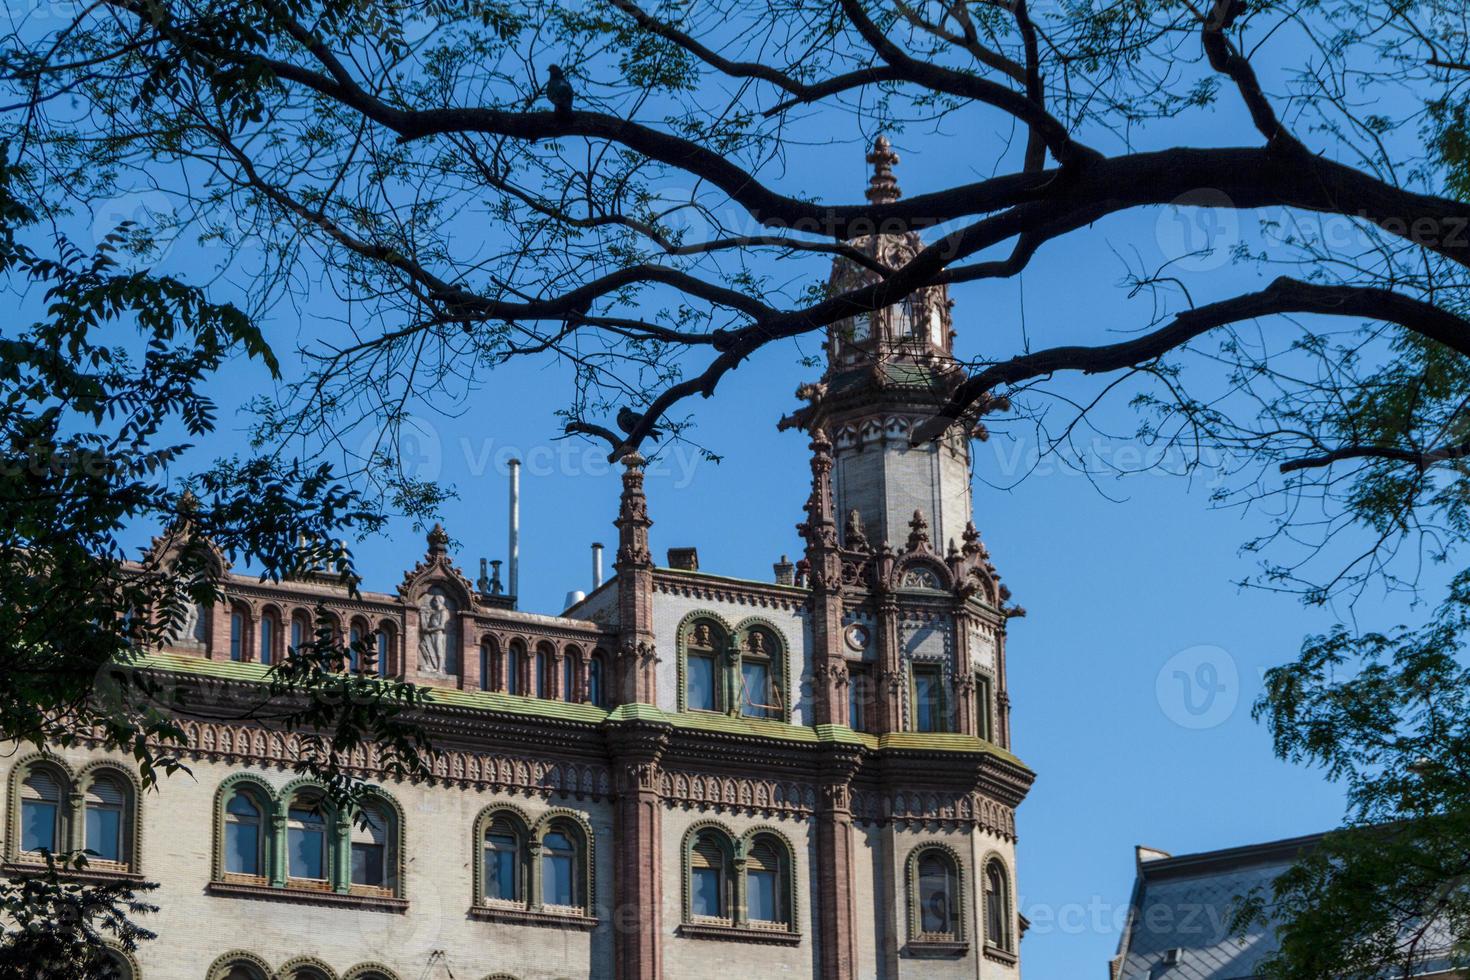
(705, 892)
(306, 843)
(935, 896)
(242, 848)
(237, 636)
(500, 867)
(267, 639)
(104, 832)
(701, 696)
(760, 894)
(37, 825)
(594, 682)
(756, 676)
(367, 865)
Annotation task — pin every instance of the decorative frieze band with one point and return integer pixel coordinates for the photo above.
(945, 809)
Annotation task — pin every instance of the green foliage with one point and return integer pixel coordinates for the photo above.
(1388, 715)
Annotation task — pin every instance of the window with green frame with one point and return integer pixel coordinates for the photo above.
(984, 707)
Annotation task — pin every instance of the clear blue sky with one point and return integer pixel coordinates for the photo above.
(1128, 584)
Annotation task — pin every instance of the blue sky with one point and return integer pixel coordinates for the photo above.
(1132, 676)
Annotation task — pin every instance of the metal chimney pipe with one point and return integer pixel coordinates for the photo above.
(596, 565)
(515, 527)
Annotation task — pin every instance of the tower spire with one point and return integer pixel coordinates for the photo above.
(882, 185)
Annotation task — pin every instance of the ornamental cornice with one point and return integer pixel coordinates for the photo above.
(787, 598)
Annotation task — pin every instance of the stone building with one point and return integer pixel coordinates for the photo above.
(683, 775)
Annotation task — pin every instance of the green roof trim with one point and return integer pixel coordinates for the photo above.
(706, 721)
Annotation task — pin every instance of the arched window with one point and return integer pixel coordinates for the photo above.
(306, 838)
(767, 883)
(357, 638)
(711, 876)
(117, 967)
(513, 669)
(859, 698)
(997, 906)
(237, 634)
(41, 818)
(543, 678)
(502, 875)
(238, 966)
(487, 664)
(984, 713)
(245, 833)
(936, 891)
(596, 692)
(570, 660)
(704, 687)
(107, 818)
(267, 642)
(372, 847)
(761, 694)
(559, 875)
(300, 631)
(385, 645)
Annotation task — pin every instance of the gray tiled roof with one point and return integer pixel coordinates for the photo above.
(1185, 903)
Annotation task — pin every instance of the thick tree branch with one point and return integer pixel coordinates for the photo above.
(1282, 296)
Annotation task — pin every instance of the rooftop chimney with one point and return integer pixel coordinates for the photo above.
(785, 572)
(684, 559)
(515, 527)
(596, 565)
(573, 597)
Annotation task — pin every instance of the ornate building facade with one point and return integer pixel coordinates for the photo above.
(681, 775)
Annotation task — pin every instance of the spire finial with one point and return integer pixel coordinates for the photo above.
(883, 186)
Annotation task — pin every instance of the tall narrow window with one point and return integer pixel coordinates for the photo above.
(760, 688)
(40, 812)
(984, 714)
(928, 699)
(858, 698)
(997, 907)
(237, 635)
(708, 879)
(306, 840)
(938, 887)
(244, 834)
(487, 664)
(594, 681)
(384, 649)
(764, 900)
(267, 638)
(370, 847)
(569, 677)
(354, 647)
(543, 674)
(513, 670)
(703, 687)
(502, 861)
(702, 676)
(558, 869)
(300, 632)
(106, 813)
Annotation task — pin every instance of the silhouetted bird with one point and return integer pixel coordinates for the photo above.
(559, 93)
(628, 419)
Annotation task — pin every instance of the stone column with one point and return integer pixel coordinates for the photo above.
(824, 561)
(637, 748)
(965, 718)
(469, 652)
(891, 685)
(634, 678)
(836, 855)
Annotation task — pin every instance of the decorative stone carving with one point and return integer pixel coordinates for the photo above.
(436, 632)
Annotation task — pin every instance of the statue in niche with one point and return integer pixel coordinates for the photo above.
(702, 637)
(188, 633)
(434, 620)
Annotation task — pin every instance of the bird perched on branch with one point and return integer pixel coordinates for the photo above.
(628, 420)
(559, 93)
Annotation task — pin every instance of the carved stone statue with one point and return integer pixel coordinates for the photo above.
(433, 633)
(186, 634)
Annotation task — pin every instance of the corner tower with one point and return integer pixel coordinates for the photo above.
(887, 372)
